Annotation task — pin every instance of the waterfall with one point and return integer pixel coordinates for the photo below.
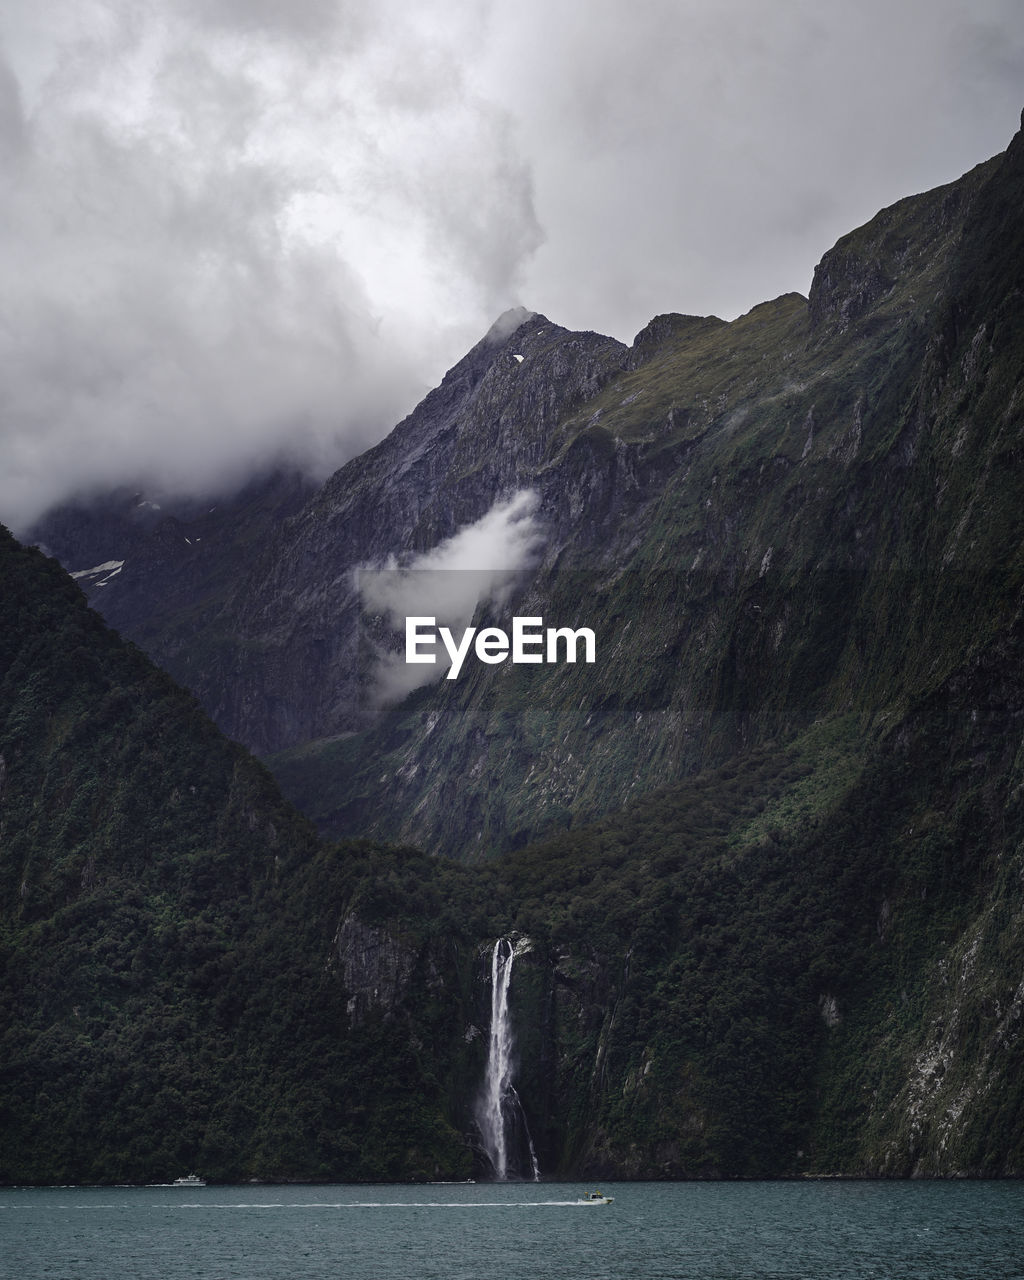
(506, 1135)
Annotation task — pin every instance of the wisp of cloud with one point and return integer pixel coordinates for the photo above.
(480, 564)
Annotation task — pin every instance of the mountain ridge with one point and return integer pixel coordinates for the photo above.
(777, 465)
(694, 448)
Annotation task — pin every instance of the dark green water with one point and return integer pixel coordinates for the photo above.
(717, 1231)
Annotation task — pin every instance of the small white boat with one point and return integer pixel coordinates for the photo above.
(193, 1180)
(595, 1197)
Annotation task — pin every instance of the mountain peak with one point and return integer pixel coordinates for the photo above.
(507, 323)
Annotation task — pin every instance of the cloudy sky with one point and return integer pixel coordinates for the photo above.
(234, 227)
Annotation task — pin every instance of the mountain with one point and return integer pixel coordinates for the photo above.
(160, 569)
(799, 963)
(279, 659)
(765, 523)
(810, 514)
(759, 864)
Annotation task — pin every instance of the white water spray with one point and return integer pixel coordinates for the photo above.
(500, 1112)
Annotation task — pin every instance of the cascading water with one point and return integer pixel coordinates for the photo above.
(503, 1127)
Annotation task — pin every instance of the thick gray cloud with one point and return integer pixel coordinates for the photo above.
(234, 227)
(235, 230)
(701, 155)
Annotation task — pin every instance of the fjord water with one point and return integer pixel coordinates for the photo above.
(716, 1231)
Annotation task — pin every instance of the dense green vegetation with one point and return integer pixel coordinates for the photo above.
(748, 973)
(166, 993)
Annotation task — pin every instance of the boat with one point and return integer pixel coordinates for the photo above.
(193, 1180)
(596, 1197)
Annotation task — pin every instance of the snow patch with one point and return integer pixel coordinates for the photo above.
(108, 566)
(102, 573)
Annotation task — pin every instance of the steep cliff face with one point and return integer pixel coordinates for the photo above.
(774, 968)
(258, 610)
(797, 515)
(301, 667)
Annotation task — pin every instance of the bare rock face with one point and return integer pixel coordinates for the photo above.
(266, 627)
(299, 670)
(375, 966)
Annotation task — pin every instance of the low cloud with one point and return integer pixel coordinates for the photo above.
(228, 234)
(482, 564)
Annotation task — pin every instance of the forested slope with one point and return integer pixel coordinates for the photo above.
(165, 935)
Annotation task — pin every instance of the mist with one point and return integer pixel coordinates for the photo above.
(481, 564)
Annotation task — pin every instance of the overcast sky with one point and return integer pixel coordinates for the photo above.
(229, 227)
